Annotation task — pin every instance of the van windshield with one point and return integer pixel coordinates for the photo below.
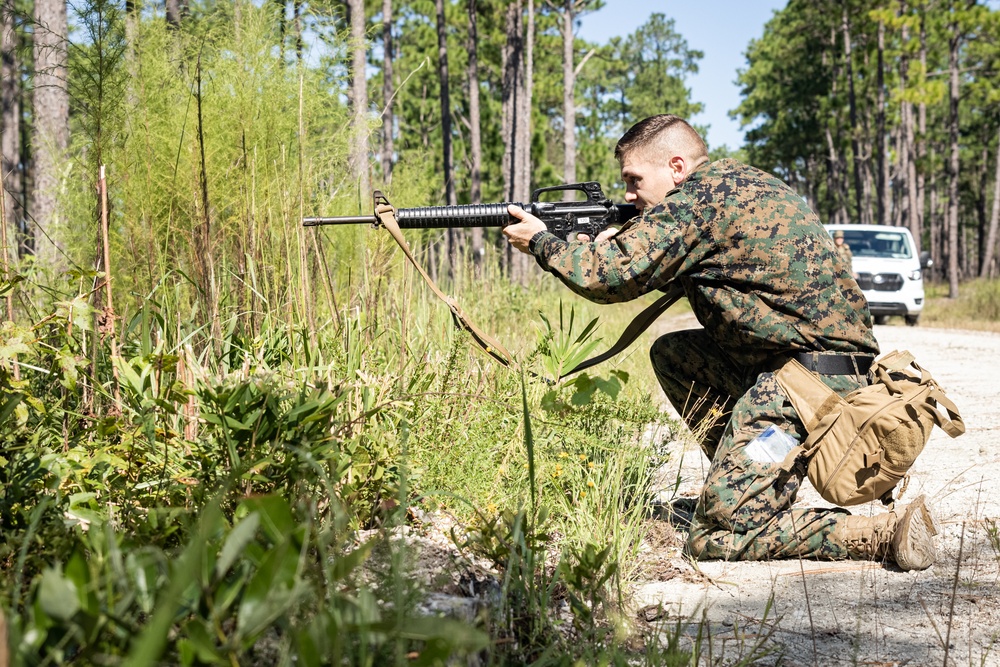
(865, 243)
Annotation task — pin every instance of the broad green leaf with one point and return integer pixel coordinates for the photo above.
(275, 516)
(345, 564)
(8, 404)
(78, 311)
(201, 642)
(237, 540)
(58, 595)
(271, 591)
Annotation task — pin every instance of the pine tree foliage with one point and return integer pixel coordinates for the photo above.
(819, 113)
(219, 130)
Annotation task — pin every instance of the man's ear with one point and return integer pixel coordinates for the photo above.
(678, 166)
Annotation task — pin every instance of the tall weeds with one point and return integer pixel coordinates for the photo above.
(280, 390)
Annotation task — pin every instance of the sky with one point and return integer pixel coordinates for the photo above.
(721, 29)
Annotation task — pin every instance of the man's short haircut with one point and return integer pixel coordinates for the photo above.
(668, 131)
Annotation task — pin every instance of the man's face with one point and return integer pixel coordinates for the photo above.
(647, 178)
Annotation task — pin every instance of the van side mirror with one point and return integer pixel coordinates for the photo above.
(925, 260)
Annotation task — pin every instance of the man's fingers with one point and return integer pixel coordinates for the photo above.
(516, 212)
(606, 234)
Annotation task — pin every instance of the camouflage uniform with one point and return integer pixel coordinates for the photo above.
(763, 278)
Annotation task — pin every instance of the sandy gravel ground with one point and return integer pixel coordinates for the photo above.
(855, 613)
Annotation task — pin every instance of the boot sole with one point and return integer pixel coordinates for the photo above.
(913, 541)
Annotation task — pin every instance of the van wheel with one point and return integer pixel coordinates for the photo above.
(881, 319)
(912, 320)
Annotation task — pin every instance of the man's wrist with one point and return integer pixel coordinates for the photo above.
(543, 246)
(533, 242)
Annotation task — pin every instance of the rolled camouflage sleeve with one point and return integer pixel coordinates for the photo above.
(644, 256)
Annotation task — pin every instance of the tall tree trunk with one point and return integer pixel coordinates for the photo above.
(855, 129)
(933, 221)
(569, 101)
(297, 27)
(908, 162)
(953, 161)
(920, 144)
(10, 126)
(51, 129)
(524, 262)
(176, 11)
(989, 251)
(448, 166)
(455, 236)
(512, 91)
(475, 137)
(897, 188)
(913, 220)
(387, 92)
(526, 102)
(835, 181)
(982, 219)
(836, 170)
(881, 136)
(359, 102)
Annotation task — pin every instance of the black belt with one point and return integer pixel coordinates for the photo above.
(832, 363)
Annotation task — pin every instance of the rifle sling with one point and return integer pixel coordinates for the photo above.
(386, 215)
(636, 327)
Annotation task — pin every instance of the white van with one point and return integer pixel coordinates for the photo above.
(888, 269)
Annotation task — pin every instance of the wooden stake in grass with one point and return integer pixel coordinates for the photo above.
(6, 266)
(4, 657)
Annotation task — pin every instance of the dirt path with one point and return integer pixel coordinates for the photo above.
(853, 613)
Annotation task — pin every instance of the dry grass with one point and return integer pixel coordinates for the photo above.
(977, 307)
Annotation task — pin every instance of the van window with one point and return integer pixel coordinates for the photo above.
(877, 244)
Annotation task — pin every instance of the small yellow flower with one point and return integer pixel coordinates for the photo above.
(583, 457)
(563, 455)
(591, 465)
(583, 494)
(559, 468)
(590, 483)
(491, 508)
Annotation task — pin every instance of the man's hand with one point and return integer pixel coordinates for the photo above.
(520, 233)
(603, 236)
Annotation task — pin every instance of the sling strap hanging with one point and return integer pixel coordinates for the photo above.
(387, 216)
(636, 327)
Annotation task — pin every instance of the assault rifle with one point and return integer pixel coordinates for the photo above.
(565, 219)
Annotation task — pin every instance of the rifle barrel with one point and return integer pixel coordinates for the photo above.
(339, 220)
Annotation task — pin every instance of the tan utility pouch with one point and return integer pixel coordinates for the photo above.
(859, 447)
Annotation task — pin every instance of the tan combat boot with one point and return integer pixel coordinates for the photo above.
(904, 535)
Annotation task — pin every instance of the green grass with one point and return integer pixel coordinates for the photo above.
(257, 458)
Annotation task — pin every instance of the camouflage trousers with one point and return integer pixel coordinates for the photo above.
(744, 511)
